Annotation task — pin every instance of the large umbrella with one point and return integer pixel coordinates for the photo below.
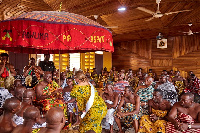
(53, 32)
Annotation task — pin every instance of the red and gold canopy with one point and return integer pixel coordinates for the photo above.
(52, 31)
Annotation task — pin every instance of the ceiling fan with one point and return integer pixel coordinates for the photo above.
(157, 14)
(190, 31)
(97, 16)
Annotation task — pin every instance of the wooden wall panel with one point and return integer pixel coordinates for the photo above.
(182, 53)
(132, 55)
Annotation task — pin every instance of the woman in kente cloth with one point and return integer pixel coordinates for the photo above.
(90, 103)
(32, 73)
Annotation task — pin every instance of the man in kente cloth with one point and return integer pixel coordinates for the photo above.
(158, 109)
(184, 116)
(129, 114)
(6, 69)
(47, 93)
(11, 106)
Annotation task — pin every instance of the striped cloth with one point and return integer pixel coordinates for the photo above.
(182, 118)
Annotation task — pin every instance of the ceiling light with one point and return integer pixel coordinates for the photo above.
(122, 9)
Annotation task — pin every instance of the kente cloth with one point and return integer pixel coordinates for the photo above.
(169, 92)
(51, 102)
(110, 113)
(128, 120)
(71, 107)
(93, 118)
(145, 95)
(179, 85)
(194, 86)
(147, 126)
(4, 94)
(18, 120)
(120, 86)
(182, 118)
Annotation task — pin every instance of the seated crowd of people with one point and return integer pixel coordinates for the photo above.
(44, 100)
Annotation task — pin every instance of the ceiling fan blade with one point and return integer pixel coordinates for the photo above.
(145, 10)
(111, 27)
(168, 13)
(150, 19)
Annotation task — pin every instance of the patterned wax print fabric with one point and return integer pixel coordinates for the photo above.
(194, 86)
(147, 126)
(145, 95)
(120, 86)
(169, 92)
(53, 101)
(71, 107)
(128, 120)
(64, 84)
(18, 120)
(182, 118)
(179, 85)
(93, 118)
(4, 94)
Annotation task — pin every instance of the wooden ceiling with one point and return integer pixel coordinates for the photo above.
(131, 23)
